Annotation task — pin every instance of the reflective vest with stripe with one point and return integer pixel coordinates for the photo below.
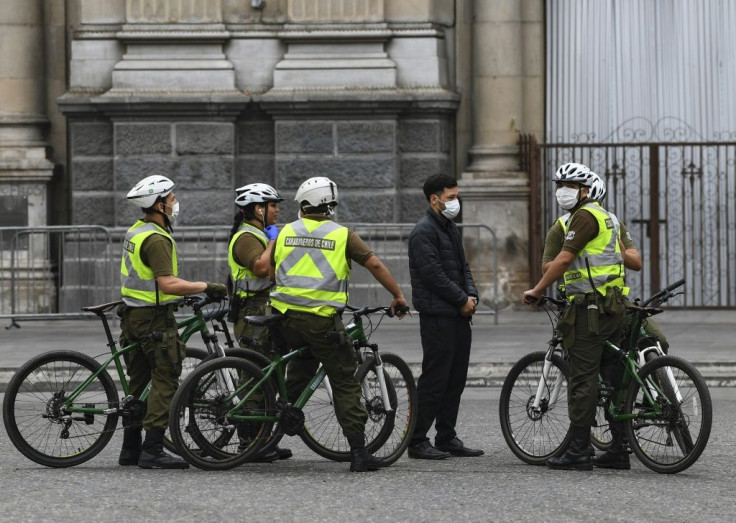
(246, 283)
(603, 254)
(138, 285)
(312, 271)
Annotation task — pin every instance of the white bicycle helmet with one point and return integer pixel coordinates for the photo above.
(575, 173)
(317, 191)
(256, 193)
(597, 189)
(148, 190)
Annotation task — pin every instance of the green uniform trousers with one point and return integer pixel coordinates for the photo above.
(157, 359)
(588, 358)
(338, 358)
(259, 338)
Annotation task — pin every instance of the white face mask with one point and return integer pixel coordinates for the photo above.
(567, 197)
(174, 211)
(452, 209)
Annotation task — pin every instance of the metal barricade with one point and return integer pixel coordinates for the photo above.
(51, 272)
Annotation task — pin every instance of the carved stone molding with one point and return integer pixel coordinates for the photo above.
(173, 11)
(307, 11)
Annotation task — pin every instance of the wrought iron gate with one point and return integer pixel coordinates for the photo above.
(677, 199)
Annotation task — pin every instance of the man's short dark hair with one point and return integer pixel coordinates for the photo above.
(437, 183)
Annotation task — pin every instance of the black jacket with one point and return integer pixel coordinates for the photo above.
(440, 276)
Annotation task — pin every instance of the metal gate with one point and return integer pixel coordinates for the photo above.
(677, 199)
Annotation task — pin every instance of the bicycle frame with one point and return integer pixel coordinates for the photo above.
(354, 330)
(190, 326)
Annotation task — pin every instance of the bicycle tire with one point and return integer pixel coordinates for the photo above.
(199, 408)
(405, 409)
(33, 418)
(322, 432)
(261, 361)
(534, 437)
(387, 433)
(691, 418)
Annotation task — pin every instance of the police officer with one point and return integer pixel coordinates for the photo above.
(632, 258)
(151, 288)
(249, 257)
(591, 265)
(311, 267)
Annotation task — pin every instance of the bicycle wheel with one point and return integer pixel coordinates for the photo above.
(535, 434)
(673, 440)
(398, 427)
(387, 433)
(204, 413)
(37, 422)
(322, 432)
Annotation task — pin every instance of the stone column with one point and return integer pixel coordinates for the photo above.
(24, 169)
(507, 58)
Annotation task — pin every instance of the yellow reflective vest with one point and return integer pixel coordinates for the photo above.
(312, 272)
(245, 282)
(603, 255)
(138, 285)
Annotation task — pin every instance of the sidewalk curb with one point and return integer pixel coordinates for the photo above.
(716, 374)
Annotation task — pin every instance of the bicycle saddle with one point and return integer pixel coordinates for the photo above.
(99, 309)
(261, 321)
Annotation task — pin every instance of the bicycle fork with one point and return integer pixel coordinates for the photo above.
(543, 380)
(657, 351)
(374, 359)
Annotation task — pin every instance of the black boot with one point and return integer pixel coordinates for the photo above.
(360, 459)
(131, 450)
(577, 455)
(153, 455)
(616, 457)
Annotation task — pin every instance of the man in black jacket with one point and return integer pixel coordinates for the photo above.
(445, 296)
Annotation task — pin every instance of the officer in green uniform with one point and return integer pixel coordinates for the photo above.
(592, 267)
(311, 268)
(632, 259)
(151, 288)
(249, 257)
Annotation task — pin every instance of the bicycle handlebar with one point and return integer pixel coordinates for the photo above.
(364, 311)
(197, 301)
(665, 294)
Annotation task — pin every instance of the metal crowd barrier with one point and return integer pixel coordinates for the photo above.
(51, 272)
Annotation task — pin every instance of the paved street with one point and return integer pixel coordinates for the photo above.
(495, 487)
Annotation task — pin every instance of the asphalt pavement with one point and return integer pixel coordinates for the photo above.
(305, 488)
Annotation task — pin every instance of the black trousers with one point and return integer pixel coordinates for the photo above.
(446, 346)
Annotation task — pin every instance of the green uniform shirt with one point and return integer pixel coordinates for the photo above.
(555, 238)
(156, 253)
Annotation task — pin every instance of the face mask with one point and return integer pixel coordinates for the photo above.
(174, 211)
(567, 197)
(452, 209)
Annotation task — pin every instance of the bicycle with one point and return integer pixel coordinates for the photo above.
(61, 408)
(663, 401)
(228, 410)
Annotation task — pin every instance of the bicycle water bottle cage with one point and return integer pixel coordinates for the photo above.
(291, 420)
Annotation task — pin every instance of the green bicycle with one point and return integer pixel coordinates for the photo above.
(227, 412)
(61, 408)
(663, 401)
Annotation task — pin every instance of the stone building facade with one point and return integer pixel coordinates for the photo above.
(375, 94)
